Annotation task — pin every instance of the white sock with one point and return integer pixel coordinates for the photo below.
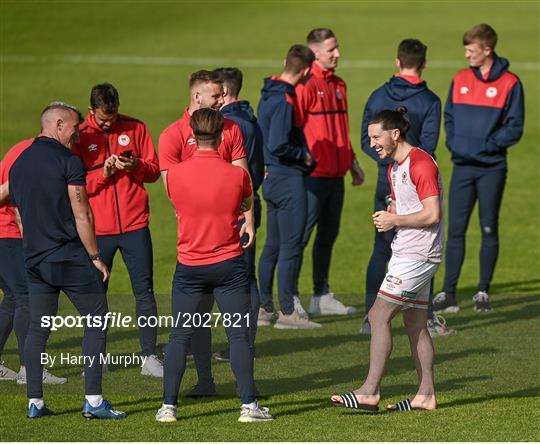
(253, 405)
(94, 400)
(169, 405)
(39, 403)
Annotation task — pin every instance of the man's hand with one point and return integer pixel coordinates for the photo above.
(309, 159)
(392, 207)
(102, 268)
(126, 163)
(384, 221)
(109, 167)
(248, 228)
(357, 174)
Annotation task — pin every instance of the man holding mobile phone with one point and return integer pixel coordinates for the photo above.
(119, 157)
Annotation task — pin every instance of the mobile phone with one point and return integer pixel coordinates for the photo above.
(127, 153)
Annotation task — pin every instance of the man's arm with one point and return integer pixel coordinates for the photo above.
(449, 117)
(366, 118)
(147, 169)
(431, 126)
(281, 125)
(430, 214)
(247, 204)
(18, 220)
(84, 222)
(4, 193)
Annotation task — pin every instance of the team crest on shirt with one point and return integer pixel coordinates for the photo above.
(192, 141)
(491, 92)
(123, 140)
(320, 94)
(464, 90)
(92, 147)
(338, 94)
(404, 177)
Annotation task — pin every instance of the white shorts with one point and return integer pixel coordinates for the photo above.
(408, 282)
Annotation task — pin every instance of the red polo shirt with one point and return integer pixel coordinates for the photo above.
(177, 143)
(206, 192)
(8, 225)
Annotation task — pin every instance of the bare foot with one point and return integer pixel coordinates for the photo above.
(362, 399)
(422, 402)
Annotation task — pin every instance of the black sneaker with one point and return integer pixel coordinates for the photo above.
(202, 391)
(223, 355)
(481, 301)
(445, 303)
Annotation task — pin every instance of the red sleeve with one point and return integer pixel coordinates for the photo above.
(148, 169)
(389, 174)
(248, 191)
(237, 143)
(425, 176)
(170, 149)
(303, 100)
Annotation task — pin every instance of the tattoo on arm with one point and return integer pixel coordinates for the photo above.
(78, 194)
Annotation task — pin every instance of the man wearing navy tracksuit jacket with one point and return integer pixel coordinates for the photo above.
(483, 117)
(288, 160)
(424, 114)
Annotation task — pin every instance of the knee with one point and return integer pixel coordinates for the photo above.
(376, 316)
(490, 233)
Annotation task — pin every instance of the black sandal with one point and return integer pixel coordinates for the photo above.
(404, 406)
(350, 401)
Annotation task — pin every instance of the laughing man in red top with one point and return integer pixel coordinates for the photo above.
(322, 101)
(119, 157)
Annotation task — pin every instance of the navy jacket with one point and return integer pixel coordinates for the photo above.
(242, 113)
(285, 146)
(423, 112)
(483, 118)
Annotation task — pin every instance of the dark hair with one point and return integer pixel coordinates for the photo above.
(62, 105)
(207, 124)
(412, 54)
(204, 76)
(231, 78)
(319, 35)
(390, 119)
(105, 96)
(483, 34)
(299, 58)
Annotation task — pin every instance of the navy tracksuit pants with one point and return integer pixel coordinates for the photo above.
(77, 277)
(201, 343)
(286, 212)
(14, 312)
(136, 249)
(468, 185)
(228, 282)
(324, 206)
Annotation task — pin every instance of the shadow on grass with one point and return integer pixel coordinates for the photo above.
(532, 392)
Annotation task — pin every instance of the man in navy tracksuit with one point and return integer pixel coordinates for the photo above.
(288, 160)
(407, 89)
(241, 113)
(483, 117)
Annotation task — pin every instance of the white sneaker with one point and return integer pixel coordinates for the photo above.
(366, 326)
(152, 367)
(327, 304)
(254, 414)
(294, 321)
(167, 413)
(437, 327)
(6, 374)
(265, 317)
(48, 378)
(298, 307)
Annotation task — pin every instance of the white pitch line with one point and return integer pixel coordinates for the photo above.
(211, 62)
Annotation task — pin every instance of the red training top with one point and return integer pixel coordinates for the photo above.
(206, 192)
(119, 202)
(177, 142)
(8, 224)
(322, 103)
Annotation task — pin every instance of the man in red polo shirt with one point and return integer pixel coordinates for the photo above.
(119, 157)
(14, 312)
(207, 193)
(322, 103)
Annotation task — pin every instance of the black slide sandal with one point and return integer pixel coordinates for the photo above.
(404, 406)
(350, 401)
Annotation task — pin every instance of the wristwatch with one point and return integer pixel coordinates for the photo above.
(95, 257)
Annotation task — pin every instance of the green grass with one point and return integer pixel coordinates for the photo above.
(487, 374)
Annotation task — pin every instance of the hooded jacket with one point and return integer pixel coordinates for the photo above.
(242, 114)
(284, 146)
(423, 113)
(119, 202)
(484, 116)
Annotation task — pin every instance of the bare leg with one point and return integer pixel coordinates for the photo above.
(423, 354)
(380, 318)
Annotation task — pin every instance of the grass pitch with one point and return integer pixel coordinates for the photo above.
(487, 374)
